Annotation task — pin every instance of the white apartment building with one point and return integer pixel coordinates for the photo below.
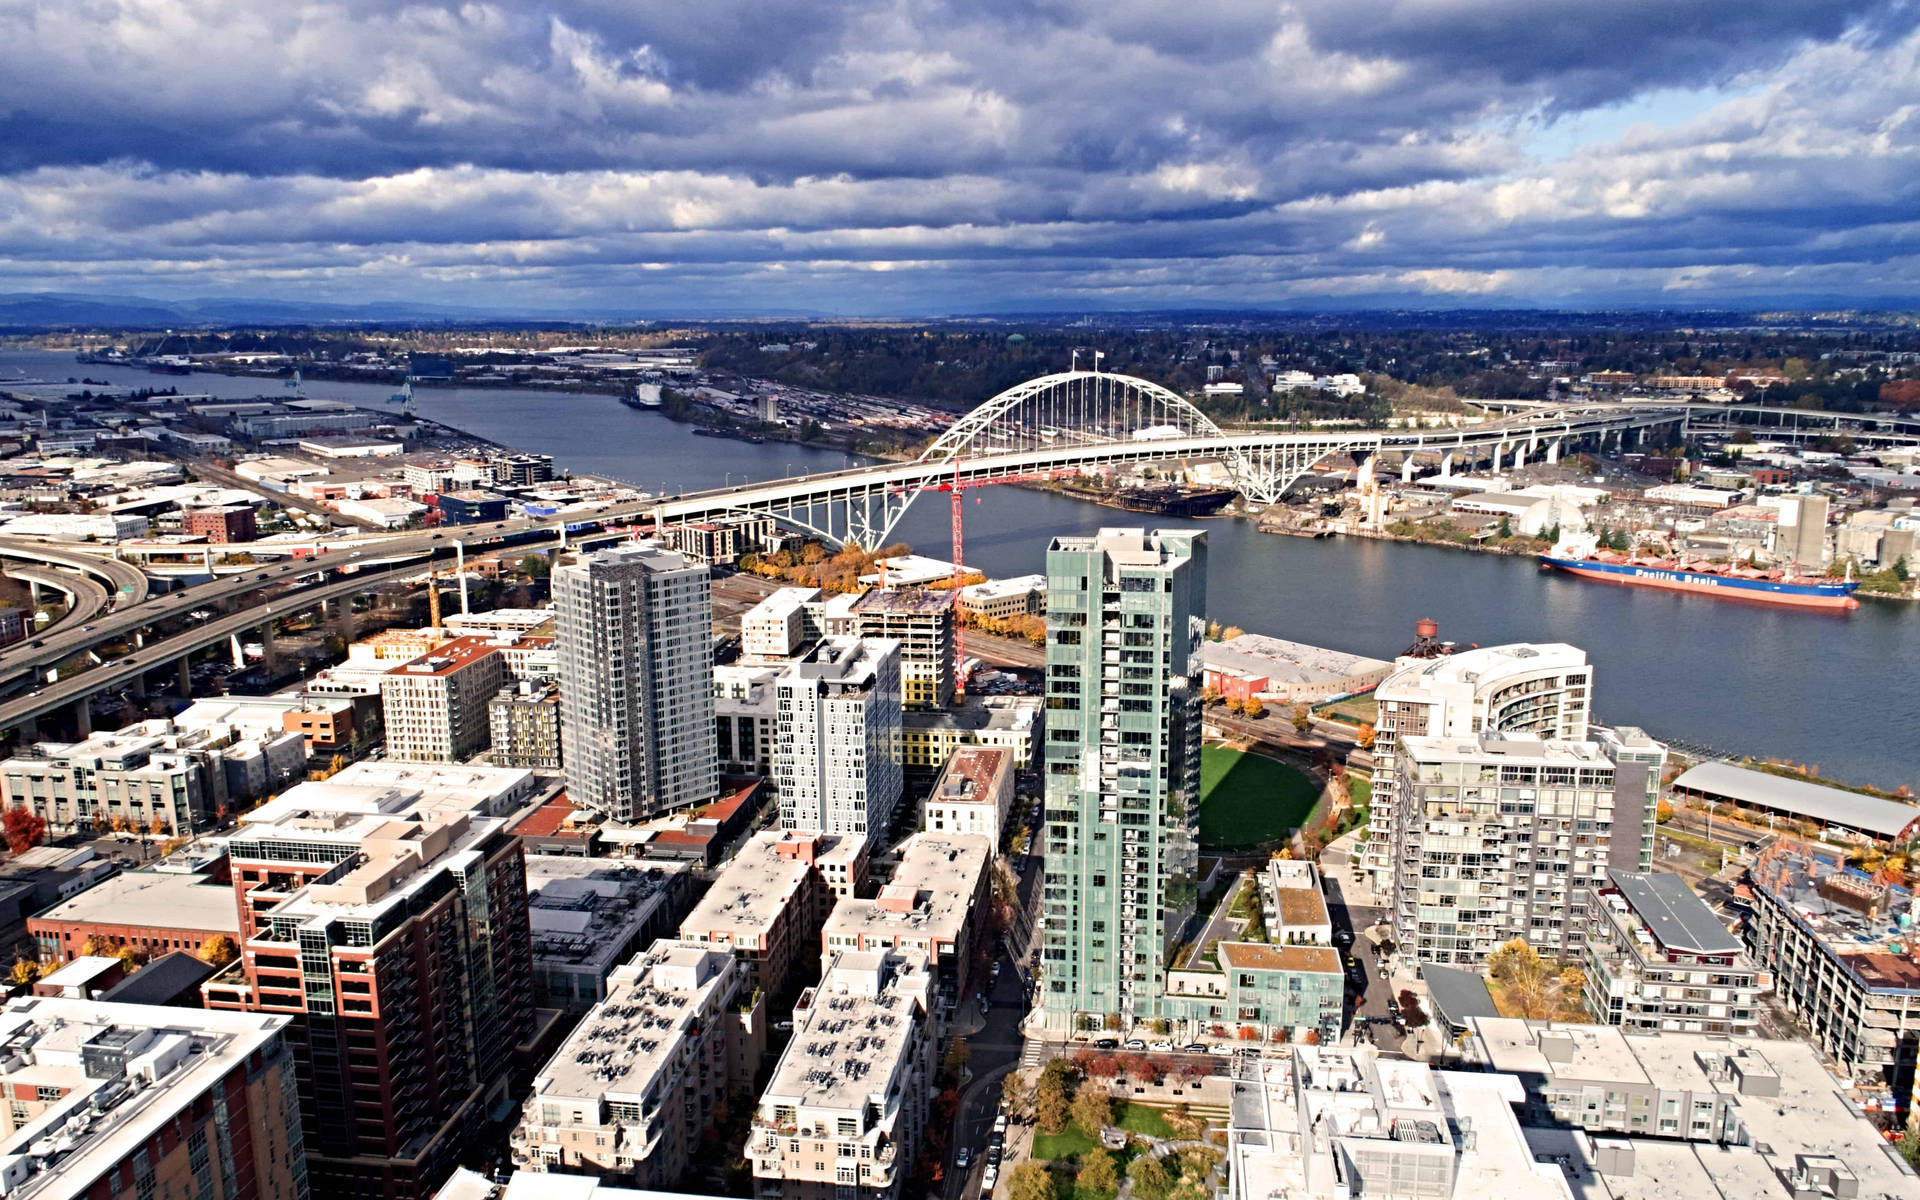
(933, 910)
(974, 794)
(781, 625)
(1524, 688)
(842, 1117)
(745, 716)
(1659, 960)
(836, 760)
(435, 707)
(1507, 836)
(631, 1091)
(636, 680)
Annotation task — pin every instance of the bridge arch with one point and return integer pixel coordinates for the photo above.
(1072, 408)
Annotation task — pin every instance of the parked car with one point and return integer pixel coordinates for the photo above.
(1161, 1047)
(1106, 1043)
(1136, 1044)
(1195, 1048)
(1000, 1125)
(988, 1178)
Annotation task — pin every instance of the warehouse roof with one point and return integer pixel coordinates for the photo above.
(1815, 801)
(1260, 656)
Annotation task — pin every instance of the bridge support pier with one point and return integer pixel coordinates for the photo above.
(1446, 465)
(185, 663)
(1553, 452)
(138, 686)
(83, 717)
(1406, 468)
(33, 591)
(269, 657)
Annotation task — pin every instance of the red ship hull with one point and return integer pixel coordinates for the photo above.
(1667, 582)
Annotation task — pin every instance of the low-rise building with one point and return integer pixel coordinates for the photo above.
(781, 625)
(766, 906)
(974, 794)
(151, 911)
(110, 1100)
(1347, 1124)
(1255, 992)
(525, 726)
(843, 1115)
(1292, 905)
(155, 776)
(647, 1073)
(1253, 664)
(1767, 795)
(435, 708)
(1839, 945)
(589, 915)
(933, 910)
(929, 738)
(221, 525)
(1001, 599)
(1657, 958)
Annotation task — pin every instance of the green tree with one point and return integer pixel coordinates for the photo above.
(1506, 527)
(534, 566)
(1031, 1181)
(1151, 1179)
(1050, 1104)
(1097, 1173)
(1092, 1109)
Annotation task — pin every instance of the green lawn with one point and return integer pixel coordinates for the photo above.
(1361, 791)
(1247, 800)
(1142, 1119)
(1068, 1143)
(1354, 710)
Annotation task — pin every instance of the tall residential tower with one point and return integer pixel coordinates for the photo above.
(636, 681)
(1126, 614)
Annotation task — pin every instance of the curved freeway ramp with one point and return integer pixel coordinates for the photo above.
(125, 583)
(86, 599)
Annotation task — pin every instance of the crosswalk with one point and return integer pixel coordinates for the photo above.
(1034, 1055)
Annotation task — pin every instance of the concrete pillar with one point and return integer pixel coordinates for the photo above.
(269, 657)
(33, 590)
(239, 655)
(1364, 480)
(1520, 450)
(1446, 465)
(1553, 452)
(83, 716)
(460, 570)
(186, 676)
(138, 686)
(1499, 452)
(139, 639)
(1406, 468)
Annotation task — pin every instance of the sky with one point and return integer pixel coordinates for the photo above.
(920, 157)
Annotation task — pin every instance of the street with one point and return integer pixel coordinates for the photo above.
(1368, 1018)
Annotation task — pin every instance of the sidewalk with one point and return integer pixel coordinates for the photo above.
(1336, 861)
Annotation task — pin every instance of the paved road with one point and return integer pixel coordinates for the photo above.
(213, 472)
(86, 599)
(125, 582)
(1369, 1017)
(54, 696)
(996, 1050)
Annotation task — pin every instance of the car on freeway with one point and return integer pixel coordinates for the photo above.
(964, 1158)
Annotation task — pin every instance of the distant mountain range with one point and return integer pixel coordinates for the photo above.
(56, 310)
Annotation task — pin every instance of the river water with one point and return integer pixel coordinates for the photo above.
(1833, 689)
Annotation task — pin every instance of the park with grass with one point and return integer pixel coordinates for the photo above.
(1161, 1153)
(1248, 800)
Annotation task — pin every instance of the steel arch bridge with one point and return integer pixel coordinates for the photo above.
(1073, 421)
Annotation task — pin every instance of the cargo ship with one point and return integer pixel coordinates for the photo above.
(1722, 582)
(1175, 501)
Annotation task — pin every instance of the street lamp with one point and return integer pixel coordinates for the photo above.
(1711, 805)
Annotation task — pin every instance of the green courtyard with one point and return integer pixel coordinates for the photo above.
(1247, 800)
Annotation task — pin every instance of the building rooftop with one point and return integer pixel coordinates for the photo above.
(154, 899)
(448, 657)
(1520, 749)
(1868, 924)
(1814, 801)
(1257, 655)
(122, 1073)
(1258, 956)
(1009, 713)
(904, 602)
(584, 909)
(931, 894)
(1457, 994)
(846, 662)
(971, 775)
(1676, 917)
(852, 1034)
(1791, 1112)
(653, 1008)
(994, 589)
(760, 883)
(163, 981)
(1471, 666)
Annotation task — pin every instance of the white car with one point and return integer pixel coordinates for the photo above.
(989, 1177)
(1161, 1047)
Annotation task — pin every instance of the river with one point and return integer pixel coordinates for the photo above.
(1832, 689)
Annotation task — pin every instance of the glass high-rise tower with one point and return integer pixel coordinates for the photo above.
(1126, 615)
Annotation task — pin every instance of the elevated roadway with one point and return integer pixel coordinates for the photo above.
(124, 580)
(86, 599)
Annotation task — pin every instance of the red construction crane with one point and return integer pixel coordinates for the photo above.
(956, 488)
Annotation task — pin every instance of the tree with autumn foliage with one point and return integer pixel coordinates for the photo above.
(1364, 739)
(1255, 708)
(25, 828)
(218, 950)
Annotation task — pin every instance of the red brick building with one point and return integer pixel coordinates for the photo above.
(227, 523)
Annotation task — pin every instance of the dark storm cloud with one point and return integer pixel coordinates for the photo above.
(930, 154)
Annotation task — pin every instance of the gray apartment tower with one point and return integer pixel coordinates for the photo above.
(1126, 614)
(636, 680)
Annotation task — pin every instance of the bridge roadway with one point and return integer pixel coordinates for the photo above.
(125, 581)
(86, 599)
(313, 575)
(54, 696)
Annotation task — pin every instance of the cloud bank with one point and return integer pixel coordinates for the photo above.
(601, 156)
